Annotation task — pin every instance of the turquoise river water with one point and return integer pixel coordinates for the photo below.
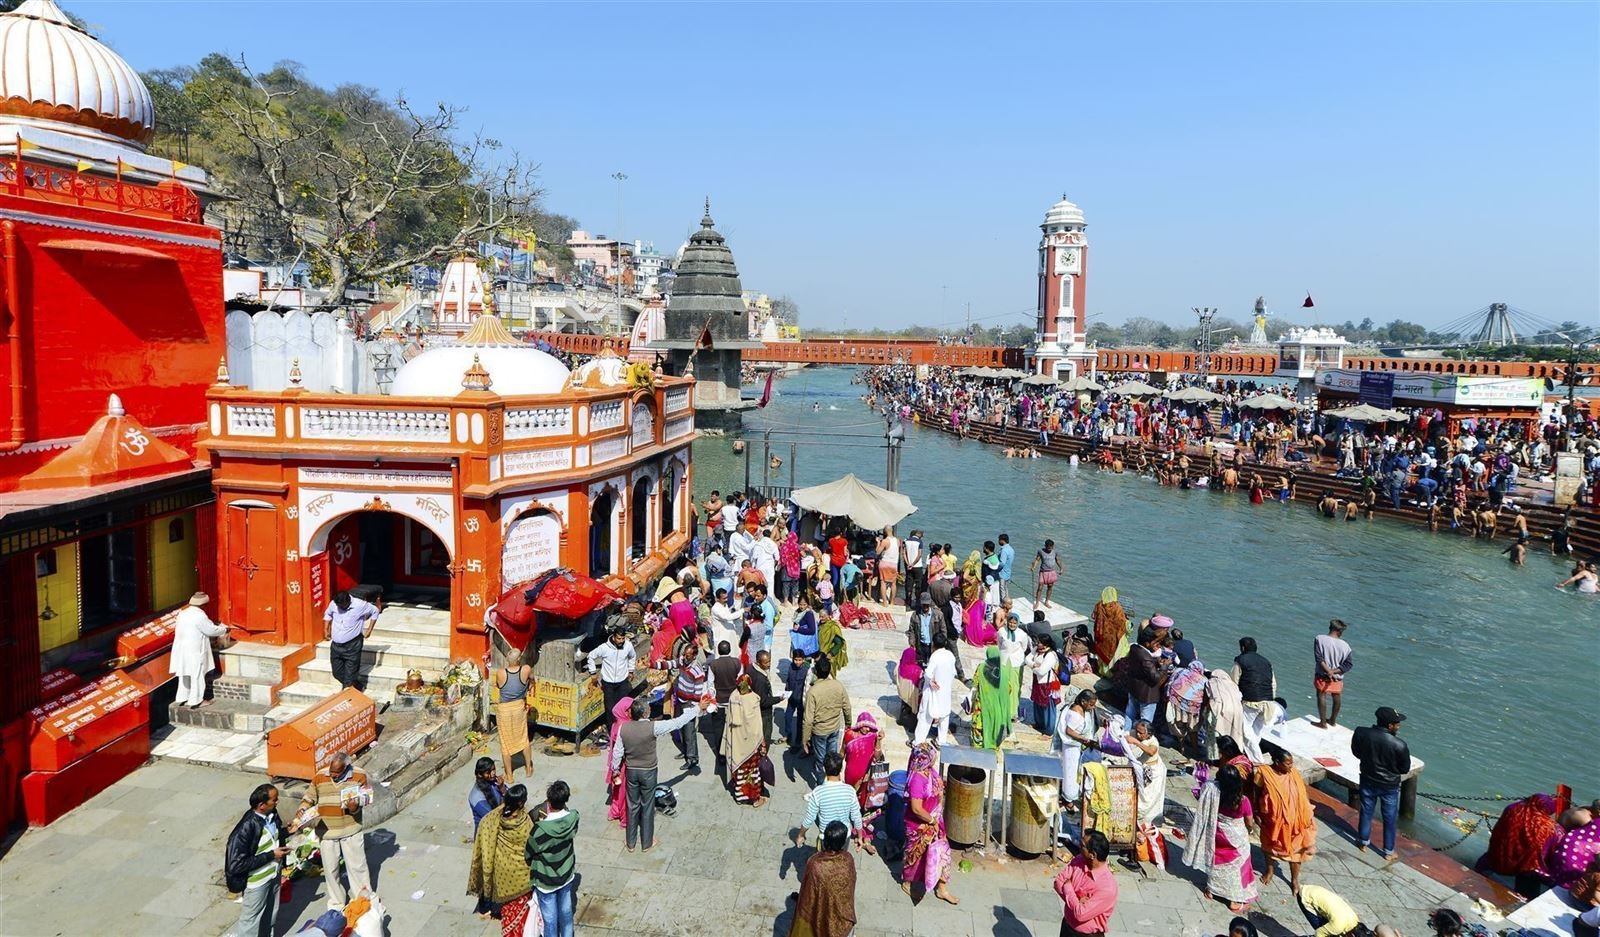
(1494, 667)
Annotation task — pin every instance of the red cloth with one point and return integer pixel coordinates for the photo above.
(1517, 842)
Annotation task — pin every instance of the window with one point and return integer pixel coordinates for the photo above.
(175, 530)
(44, 564)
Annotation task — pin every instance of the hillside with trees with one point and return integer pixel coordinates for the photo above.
(360, 185)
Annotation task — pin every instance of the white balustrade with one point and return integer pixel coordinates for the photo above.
(250, 420)
(375, 425)
(530, 423)
(606, 415)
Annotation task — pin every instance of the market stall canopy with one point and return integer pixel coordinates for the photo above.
(1008, 373)
(1269, 402)
(1081, 383)
(1365, 413)
(866, 505)
(1193, 395)
(1135, 389)
(1038, 380)
(972, 372)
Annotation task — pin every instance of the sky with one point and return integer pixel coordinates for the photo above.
(887, 164)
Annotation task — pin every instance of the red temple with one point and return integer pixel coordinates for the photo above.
(111, 327)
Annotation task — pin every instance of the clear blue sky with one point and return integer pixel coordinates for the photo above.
(892, 162)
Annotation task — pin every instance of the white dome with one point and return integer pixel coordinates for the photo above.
(1063, 212)
(514, 370)
(50, 70)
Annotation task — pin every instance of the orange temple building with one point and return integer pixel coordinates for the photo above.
(486, 464)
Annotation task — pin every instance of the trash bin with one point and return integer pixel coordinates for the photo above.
(1029, 829)
(963, 805)
(894, 809)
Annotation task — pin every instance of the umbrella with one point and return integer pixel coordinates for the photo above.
(1135, 389)
(1396, 415)
(1038, 380)
(867, 505)
(971, 372)
(1269, 402)
(1193, 395)
(1010, 373)
(1364, 413)
(1081, 383)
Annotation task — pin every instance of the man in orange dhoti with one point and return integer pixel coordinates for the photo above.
(1288, 827)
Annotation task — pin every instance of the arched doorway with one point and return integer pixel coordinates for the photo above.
(600, 539)
(639, 519)
(388, 555)
(669, 498)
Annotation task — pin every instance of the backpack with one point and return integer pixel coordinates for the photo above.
(666, 800)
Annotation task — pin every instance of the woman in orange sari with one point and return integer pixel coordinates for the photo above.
(1288, 827)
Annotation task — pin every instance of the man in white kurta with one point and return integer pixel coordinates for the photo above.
(192, 658)
(938, 679)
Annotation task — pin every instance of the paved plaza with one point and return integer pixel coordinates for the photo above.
(145, 857)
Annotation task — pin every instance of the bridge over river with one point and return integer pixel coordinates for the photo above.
(875, 351)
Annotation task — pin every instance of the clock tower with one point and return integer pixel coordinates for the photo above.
(1060, 350)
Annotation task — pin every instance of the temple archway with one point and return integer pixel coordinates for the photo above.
(639, 542)
(602, 539)
(381, 553)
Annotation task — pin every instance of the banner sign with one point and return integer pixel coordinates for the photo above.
(1377, 389)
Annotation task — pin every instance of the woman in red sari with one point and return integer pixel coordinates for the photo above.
(616, 786)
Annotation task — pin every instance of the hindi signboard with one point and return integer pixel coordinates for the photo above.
(1377, 389)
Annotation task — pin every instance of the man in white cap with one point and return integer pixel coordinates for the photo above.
(192, 658)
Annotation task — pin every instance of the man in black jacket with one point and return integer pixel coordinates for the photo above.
(1385, 761)
(253, 862)
(1258, 687)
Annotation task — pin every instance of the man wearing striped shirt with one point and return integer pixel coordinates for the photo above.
(833, 800)
(692, 685)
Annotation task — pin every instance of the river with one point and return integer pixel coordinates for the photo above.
(1490, 662)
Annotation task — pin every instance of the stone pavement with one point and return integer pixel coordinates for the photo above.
(144, 858)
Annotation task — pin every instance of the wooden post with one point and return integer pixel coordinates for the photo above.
(1408, 797)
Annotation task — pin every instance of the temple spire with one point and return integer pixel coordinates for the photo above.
(705, 220)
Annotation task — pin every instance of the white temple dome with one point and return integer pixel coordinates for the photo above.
(515, 369)
(55, 73)
(1063, 212)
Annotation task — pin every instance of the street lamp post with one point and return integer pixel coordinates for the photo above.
(1203, 343)
(621, 177)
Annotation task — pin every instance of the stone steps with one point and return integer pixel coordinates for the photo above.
(427, 658)
(226, 715)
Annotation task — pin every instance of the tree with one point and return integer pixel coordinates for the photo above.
(364, 187)
(786, 310)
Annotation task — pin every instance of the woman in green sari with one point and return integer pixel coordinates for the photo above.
(991, 721)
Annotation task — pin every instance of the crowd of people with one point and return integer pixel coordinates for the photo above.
(1462, 472)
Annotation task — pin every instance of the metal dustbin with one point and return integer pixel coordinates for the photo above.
(1029, 829)
(963, 805)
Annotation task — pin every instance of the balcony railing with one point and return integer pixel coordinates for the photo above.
(55, 184)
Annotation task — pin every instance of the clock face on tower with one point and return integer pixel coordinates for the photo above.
(1067, 260)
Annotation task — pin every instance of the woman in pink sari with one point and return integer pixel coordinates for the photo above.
(616, 788)
(927, 856)
(979, 630)
(1219, 840)
(861, 745)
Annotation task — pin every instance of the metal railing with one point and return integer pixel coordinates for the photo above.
(55, 184)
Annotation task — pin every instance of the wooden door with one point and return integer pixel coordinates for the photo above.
(251, 568)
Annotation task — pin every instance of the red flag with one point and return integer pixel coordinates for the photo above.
(1308, 303)
(766, 393)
